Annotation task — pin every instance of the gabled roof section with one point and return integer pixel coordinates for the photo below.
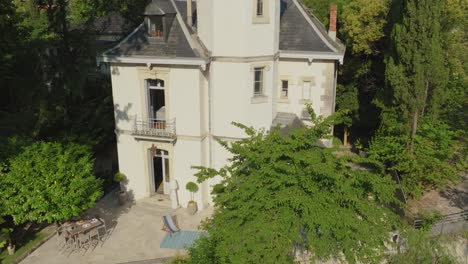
(139, 44)
(159, 7)
(302, 32)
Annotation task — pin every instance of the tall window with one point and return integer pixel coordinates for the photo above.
(156, 26)
(284, 88)
(306, 86)
(259, 7)
(157, 100)
(258, 81)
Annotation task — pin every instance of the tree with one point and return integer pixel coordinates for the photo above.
(282, 193)
(49, 182)
(432, 163)
(456, 44)
(415, 67)
(347, 101)
(363, 24)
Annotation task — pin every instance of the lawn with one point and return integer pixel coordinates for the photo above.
(29, 243)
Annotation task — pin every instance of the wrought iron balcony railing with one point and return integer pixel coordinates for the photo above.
(155, 128)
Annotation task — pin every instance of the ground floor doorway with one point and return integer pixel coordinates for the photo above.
(160, 176)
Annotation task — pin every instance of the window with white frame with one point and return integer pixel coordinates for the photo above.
(284, 88)
(260, 11)
(259, 6)
(156, 26)
(258, 80)
(306, 90)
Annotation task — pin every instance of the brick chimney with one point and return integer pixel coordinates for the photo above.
(332, 28)
(189, 13)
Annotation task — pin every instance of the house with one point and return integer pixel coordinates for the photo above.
(193, 67)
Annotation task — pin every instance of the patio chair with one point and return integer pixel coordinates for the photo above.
(170, 224)
(93, 237)
(102, 230)
(64, 241)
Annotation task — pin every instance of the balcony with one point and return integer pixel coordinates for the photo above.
(155, 128)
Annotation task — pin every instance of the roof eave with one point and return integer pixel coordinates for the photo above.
(312, 55)
(150, 61)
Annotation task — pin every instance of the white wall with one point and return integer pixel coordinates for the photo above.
(296, 72)
(184, 100)
(232, 93)
(227, 27)
(127, 95)
(186, 89)
(188, 153)
(205, 22)
(132, 164)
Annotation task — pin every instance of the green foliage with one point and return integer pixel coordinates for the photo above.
(4, 236)
(49, 182)
(430, 164)
(429, 218)
(421, 248)
(191, 187)
(119, 177)
(53, 89)
(363, 24)
(348, 101)
(416, 71)
(285, 192)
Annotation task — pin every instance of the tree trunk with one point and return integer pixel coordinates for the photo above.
(414, 129)
(345, 136)
(426, 92)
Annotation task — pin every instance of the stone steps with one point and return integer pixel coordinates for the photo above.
(157, 205)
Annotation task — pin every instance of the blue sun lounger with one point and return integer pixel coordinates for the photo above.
(170, 224)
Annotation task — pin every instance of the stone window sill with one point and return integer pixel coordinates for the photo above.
(305, 101)
(259, 99)
(261, 20)
(283, 100)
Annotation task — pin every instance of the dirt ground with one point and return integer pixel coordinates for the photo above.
(448, 201)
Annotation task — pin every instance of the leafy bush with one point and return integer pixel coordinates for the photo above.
(119, 177)
(191, 187)
(282, 193)
(49, 182)
(429, 164)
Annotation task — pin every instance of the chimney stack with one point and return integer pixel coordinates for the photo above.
(189, 13)
(332, 28)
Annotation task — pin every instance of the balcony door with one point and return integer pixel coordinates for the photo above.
(157, 100)
(160, 172)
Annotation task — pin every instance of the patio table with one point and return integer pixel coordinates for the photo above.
(83, 226)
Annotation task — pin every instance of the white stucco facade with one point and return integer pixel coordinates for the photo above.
(203, 95)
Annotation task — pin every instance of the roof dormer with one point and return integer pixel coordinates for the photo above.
(159, 15)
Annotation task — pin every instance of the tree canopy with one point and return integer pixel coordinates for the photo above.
(282, 193)
(49, 182)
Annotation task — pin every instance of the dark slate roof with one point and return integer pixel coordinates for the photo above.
(182, 7)
(159, 7)
(296, 34)
(141, 44)
(111, 24)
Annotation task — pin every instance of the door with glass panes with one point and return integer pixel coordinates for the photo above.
(160, 172)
